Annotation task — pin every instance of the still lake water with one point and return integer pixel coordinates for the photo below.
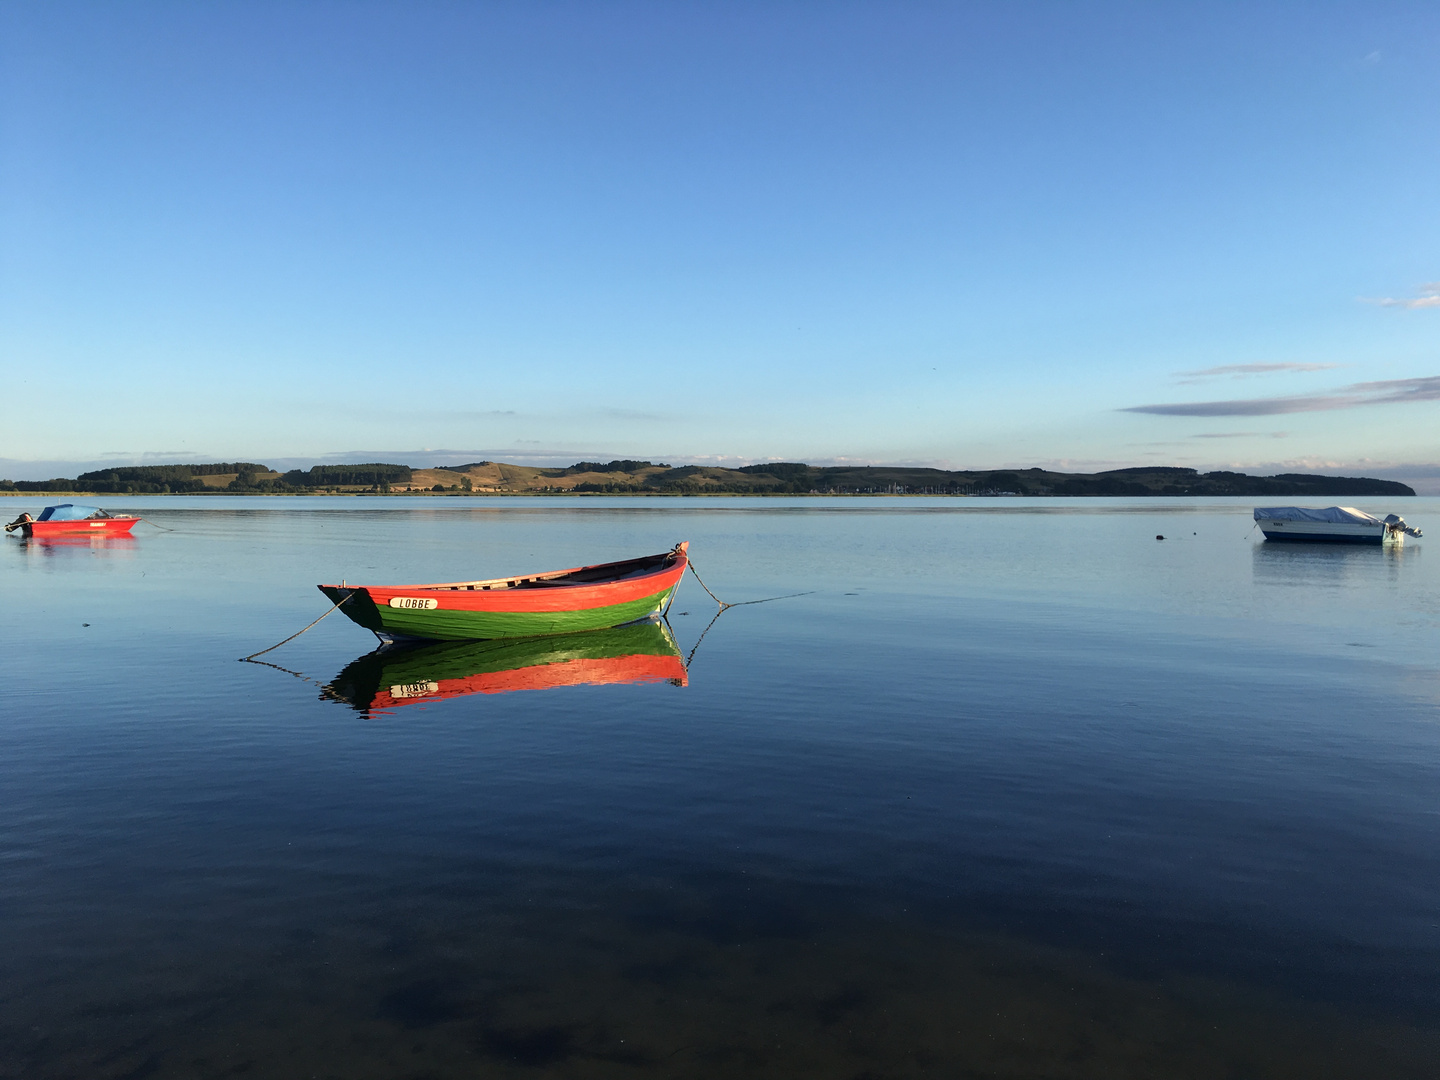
(1014, 790)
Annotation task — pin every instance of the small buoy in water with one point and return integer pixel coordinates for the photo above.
(1159, 537)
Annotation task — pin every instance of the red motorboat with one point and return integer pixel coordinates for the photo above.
(70, 519)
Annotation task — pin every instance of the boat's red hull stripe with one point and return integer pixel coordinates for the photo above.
(538, 600)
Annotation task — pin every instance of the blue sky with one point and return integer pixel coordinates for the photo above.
(964, 234)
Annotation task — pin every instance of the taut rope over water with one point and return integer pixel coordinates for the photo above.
(722, 603)
(724, 607)
(297, 633)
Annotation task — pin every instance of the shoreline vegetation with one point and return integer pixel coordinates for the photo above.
(629, 477)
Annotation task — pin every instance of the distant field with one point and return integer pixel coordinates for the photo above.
(220, 480)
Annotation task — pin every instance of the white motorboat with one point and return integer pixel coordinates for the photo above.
(1332, 525)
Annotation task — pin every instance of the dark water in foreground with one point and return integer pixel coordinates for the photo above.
(1014, 791)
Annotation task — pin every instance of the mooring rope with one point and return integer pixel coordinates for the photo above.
(738, 603)
(722, 603)
(724, 607)
(297, 633)
(162, 528)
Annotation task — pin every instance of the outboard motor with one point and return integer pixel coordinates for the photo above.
(1395, 523)
(23, 519)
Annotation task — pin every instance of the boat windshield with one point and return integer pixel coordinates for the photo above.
(71, 512)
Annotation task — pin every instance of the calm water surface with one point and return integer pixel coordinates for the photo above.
(1013, 790)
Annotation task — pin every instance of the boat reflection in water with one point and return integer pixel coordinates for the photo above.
(90, 544)
(393, 676)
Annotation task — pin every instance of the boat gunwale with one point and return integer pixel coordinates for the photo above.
(665, 562)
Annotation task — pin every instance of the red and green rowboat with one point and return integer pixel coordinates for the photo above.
(560, 602)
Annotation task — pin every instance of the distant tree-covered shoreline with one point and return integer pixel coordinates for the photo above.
(635, 477)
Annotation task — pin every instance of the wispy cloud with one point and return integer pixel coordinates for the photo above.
(632, 414)
(1429, 296)
(1385, 392)
(1242, 435)
(1244, 371)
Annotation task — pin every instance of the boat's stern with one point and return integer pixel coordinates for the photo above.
(21, 525)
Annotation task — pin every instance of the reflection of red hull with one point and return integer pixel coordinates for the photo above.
(582, 671)
(116, 526)
(392, 677)
(96, 541)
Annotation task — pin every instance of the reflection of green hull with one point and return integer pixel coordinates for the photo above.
(396, 676)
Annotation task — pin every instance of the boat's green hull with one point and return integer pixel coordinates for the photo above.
(458, 625)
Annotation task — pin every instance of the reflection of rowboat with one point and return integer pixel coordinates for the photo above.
(68, 519)
(560, 602)
(392, 677)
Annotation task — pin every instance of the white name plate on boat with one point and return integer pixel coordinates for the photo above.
(414, 602)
